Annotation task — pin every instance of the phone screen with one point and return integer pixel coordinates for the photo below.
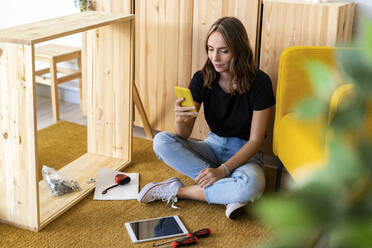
(155, 228)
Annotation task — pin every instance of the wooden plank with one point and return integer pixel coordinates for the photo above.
(84, 74)
(119, 6)
(78, 60)
(289, 23)
(110, 90)
(66, 70)
(81, 169)
(68, 77)
(55, 50)
(42, 80)
(42, 71)
(163, 57)
(18, 164)
(54, 90)
(58, 27)
(345, 24)
(114, 6)
(206, 12)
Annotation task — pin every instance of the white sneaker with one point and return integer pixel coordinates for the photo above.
(165, 191)
(233, 210)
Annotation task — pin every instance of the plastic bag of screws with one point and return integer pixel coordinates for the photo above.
(59, 183)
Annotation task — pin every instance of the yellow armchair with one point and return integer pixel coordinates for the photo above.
(300, 145)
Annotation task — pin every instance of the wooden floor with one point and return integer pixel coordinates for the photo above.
(68, 112)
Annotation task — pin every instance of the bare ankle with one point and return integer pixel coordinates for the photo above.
(179, 192)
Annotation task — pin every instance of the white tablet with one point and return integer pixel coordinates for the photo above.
(156, 228)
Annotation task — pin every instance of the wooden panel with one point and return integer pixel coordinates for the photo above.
(294, 24)
(58, 27)
(81, 169)
(55, 50)
(290, 23)
(114, 6)
(163, 56)
(109, 56)
(206, 12)
(18, 166)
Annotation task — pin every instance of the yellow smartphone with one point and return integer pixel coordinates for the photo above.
(187, 96)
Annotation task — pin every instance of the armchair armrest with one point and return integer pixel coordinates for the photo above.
(340, 95)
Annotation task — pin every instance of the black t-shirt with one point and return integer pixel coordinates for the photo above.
(230, 115)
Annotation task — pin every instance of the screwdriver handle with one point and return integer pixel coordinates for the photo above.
(183, 242)
(205, 232)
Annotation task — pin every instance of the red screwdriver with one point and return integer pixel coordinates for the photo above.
(205, 232)
(183, 242)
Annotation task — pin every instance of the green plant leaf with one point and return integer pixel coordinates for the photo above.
(286, 214)
(358, 68)
(365, 154)
(349, 116)
(311, 108)
(321, 78)
(367, 37)
(360, 198)
(318, 201)
(344, 160)
(355, 233)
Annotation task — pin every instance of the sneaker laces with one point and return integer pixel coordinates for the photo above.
(172, 199)
(166, 196)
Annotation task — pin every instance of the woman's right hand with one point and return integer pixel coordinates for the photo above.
(183, 114)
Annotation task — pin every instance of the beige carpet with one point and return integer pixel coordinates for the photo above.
(101, 223)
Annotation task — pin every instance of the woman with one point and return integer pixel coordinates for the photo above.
(228, 166)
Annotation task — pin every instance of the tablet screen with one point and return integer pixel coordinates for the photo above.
(152, 229)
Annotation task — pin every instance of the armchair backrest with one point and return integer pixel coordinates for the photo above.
(293, 83)
(293, 79)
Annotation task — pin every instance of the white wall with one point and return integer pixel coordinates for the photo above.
(17, 12)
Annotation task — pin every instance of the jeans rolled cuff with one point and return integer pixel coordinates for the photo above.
(207, 195)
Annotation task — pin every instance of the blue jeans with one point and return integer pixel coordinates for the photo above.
(189, 157)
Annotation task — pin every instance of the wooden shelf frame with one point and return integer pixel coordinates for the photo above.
(26, 201)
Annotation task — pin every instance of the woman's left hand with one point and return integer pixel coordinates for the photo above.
(208, 176)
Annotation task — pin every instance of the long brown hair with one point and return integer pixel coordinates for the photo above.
(242, 65)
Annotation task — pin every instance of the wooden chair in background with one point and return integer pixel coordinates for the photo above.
(54, 54)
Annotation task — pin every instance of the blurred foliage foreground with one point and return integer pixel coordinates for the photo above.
(334, 207)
